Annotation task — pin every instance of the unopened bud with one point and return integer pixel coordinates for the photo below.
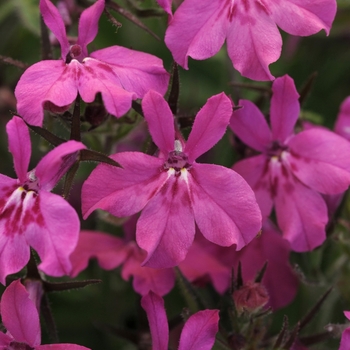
(251, 297)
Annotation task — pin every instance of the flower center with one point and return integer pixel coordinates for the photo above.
(74, 52)
(177, 159)
(19, 346)
(276, 149)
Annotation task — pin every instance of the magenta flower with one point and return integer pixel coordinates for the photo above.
(119, 74)
(345, 338)
(199, 28)
(32, 216)
(21, 320)
(173, 190)
(198, 333)
(293, 169)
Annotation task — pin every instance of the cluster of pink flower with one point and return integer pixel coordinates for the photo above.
(181, 201)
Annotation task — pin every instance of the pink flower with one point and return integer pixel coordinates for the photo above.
(21, 319)
(32, 216)
(198, 333)
(200, 27)
(293, 169)
(345, 338)
(119, 74)
(173, 191)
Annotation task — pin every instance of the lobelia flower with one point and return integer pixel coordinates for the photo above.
(173, 191)
(293, 170)
(21, 319)
(199, 28)
(32, 216)
(198, 332)
(119, 74)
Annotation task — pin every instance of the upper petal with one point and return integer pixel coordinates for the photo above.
(253, 41)
(54, 21)
(303, 17)
(166, 5)
(209, 126)
(123, 191)
(224, 205)
(200, 330)
(56, 163)
(19, 145)
(202, 27)
(166, 227)
(157, 319)
(320, 159)
(250, 125)
(285, 108)
(160, 121)
(88, 24)
(136, 71)
(19, 314)
(52, 81)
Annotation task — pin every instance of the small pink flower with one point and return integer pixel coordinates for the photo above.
(119, 74)
(199, 28)
(342, 124)
(293, 170)
(198, 332)
(21, 320)
(32, 216)
(173, 191)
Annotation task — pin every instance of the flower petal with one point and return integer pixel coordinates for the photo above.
(157, 319)
(160, 121)
(146, 279)
(200, 265)
(19, 315)
(303, 17)
(301, 212)
(285, 108)
(279, 279)
(209, 126)
(52, 81)
(253, 41)
(345, 340)
(320, 159)
(200, 330)
(19, 145)
(109, 251)
(166, 227)
(224, 205)
(123, 192)
(166, 5)
(54, 21)
(250, 125)
(88, 24)
(57, 236)
(56, 163)
(342, 124)
(202, 27)
(255, 170)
